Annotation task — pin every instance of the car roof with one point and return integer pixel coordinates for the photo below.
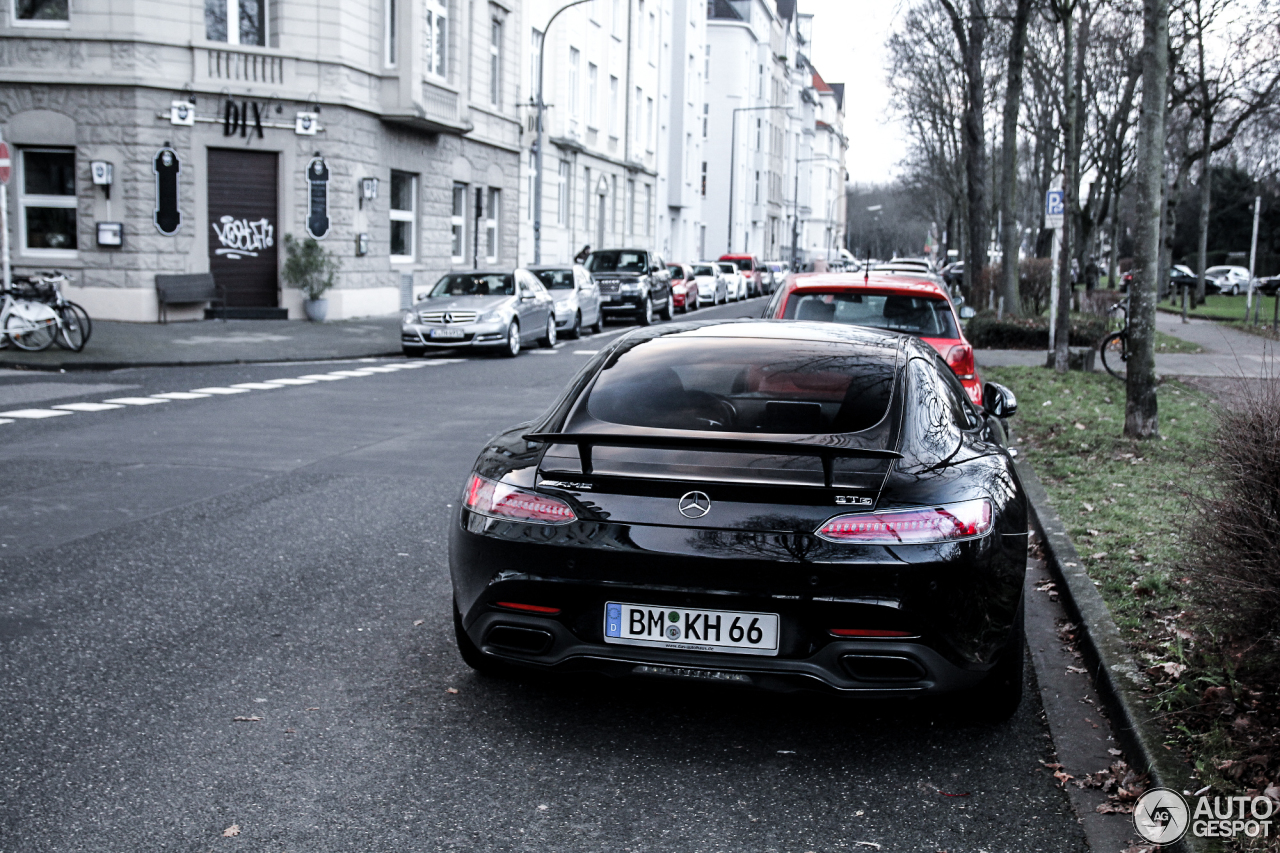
(799, 330)
(905, 285)
(565, 266)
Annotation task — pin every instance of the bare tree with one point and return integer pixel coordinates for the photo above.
(1009, 238)
(970, 29)
(1141, 413)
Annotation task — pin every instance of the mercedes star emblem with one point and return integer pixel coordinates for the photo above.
(695, 504)
(448, 317)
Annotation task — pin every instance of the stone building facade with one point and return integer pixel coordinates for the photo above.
(272, 116)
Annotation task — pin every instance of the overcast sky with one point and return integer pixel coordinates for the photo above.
(848, 47)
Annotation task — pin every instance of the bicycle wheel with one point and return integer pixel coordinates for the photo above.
(1115, 352)
(30, 335)
(76, 327)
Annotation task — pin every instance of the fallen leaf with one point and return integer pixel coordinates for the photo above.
(1272, 792)
(231, 831)
(246, 719)
(1114, 751)
(1173, 669)
(1098, 556)
(1079, 425)
(1047, 403)
(786, 752)
(417, 622)
(1077, 669)
(314, 709)
(1063, 778)
(542, 808)
(451, 690)
(1088, 507)
(867, 844)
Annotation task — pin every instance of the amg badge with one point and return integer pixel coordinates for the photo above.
(853, 500)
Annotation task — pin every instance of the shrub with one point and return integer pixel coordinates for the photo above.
(1035, 278)
(986, 332)
(1236, 557)
(308, 266)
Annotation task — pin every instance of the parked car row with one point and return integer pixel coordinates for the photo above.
(507, 310)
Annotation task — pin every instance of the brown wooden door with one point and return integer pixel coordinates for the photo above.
(243, 213)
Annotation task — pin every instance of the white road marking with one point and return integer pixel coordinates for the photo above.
(585, 351)
(543, 352)
(321, 377)
(181, 395)
(219, 390)
(136, 401)
(5, 421)
(365, 372)
(298, 381)
(88, 407)
(257, 386)
(33, 414)
(385, 368)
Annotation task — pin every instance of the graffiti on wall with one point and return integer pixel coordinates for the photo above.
(241, 238)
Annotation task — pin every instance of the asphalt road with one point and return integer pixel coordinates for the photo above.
(279, 555)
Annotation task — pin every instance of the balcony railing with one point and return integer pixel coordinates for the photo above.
(245, 67)
(440, 104)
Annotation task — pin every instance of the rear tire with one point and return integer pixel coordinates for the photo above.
(30, 338)
(1114, 352)
(668, 310)
(73, 334)
(471, 654)
(997, 698)
(512, 349)
(599, 324)
(548, 339)
(575, 331)
(645, 317)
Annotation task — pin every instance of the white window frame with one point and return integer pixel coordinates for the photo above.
(233, 22)
(390, 32)
(533, 178)
(493, 211)
(648, 210)
(38, 24)
(435, 37)
(615, 23)
(458, 223)
(55, 201)
(495, 63)
(410, 216)
(653, 39)
(593, 94)
(575, 81)
(563, 199)
(613, 107)
(648, 125)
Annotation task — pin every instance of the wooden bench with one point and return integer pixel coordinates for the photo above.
(187, 288)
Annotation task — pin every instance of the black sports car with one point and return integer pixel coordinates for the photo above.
(775, 503)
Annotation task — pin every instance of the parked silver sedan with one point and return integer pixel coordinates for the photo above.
(481, 309)
(577, 298)
(712, 287)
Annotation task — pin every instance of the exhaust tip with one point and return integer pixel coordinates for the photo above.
(882, 668)
(516, 638)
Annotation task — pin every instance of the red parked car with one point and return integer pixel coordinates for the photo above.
(752, 270)
(896, 303)
(684, 290)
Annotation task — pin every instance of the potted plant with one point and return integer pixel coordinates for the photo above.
(311, 269)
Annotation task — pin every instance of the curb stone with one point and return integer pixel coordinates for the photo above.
(1115, 674)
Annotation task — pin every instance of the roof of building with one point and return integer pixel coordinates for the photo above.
(819, 83)
(786, 8)
(838, 88)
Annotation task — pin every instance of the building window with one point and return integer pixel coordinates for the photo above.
(47, 203)
(492, 211)
(616, 22)
(758, 126)
(245, 21)
(533, 178)
(757, 187)
(706, 114)
(586, 198)
(495, 63)
(640, 33)
(562, 199)
(637, 130)
(613, 106)
(575, 61)
(704, 178)
(535, 53)
(458, 223)
(706, 70)
(648, 125)
(404, 210)
(435, 40)
(593, 93)
(391, 28)
(760, 91)
(648, 210)
(630, 204)
(653, 40)
(43, 13)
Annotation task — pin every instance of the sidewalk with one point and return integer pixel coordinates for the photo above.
(115, 345)
(1227, 352)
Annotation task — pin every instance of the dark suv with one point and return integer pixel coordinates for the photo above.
(634, 282)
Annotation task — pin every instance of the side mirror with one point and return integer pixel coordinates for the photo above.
(526, 296)
(967, 312)
(998, 401)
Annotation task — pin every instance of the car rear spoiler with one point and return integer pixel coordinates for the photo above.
(828, 453)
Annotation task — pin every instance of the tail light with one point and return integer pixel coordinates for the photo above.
(960, 360)
(489, 497)
(529, 608)
(949, 523)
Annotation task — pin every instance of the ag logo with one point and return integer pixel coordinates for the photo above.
(1161, 816)
(695, 504)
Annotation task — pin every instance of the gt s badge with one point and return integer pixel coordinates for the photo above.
(559, 484)
(853, 500)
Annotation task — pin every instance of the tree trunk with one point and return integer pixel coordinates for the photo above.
(1070, 190)
(1140, 411)
(1202, 252)
(1113, 262)
(1010, 239)
(972, 42)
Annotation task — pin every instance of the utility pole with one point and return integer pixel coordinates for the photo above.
(1253, 255)
(540, 106)
(733, 159)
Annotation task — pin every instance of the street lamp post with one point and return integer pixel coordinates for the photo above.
(541, 107)
(733, 158)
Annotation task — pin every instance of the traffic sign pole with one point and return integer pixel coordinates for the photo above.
(4, 212)
(1055, 218)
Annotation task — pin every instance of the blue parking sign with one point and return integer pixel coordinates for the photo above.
(1055, 204)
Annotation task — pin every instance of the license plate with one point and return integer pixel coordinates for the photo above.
(450, 334)
(691, 630)
(613, 299)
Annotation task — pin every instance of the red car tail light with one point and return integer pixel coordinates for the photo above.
(960, 360)
(923, 526)
(868, 632)
(489, 497)
(529, 608)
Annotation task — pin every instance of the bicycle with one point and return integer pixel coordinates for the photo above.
(29, 324)
(1114, 348)
(74, 325)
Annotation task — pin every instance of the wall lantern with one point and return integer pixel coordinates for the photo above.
(368, 190)
(103, 174)
(362, 244)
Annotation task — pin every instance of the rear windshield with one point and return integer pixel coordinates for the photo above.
(555, 279)
(916, 315)
(746, 386)
(677, 271)
(475, 284)
(616, 261)
(743, 264)
(703, 269)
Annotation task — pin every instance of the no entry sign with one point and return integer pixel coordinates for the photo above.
(4, 163)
